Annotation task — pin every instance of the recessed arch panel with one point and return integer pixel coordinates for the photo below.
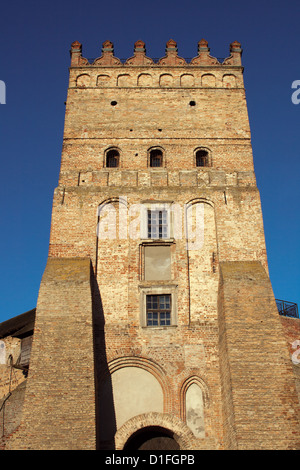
(202, 251)
(208, 80)
(83, 80)
(194, 399)
(229, 81)
(145, 80)
(133, 390)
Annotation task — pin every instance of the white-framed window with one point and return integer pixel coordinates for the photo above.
(158, 310)
(156, 221)
(158, 306)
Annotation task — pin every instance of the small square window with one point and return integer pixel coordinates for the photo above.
(158, 307)
(158, 310)
(156, 219)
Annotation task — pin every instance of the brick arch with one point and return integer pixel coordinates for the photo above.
(107, 202)
(112, 200)
(146, 364)
(200, 200)
(124, 80)
(166, 80)
(209, 155)
(156, 147)
(108, 149)
(83, 80)
(145, 79)
(208, 80)
(187, 79)
(229, 80)
(160, 149)
(194, 202)
(181, 433)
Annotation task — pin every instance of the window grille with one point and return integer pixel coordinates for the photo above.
(112, 159)
(156, 158)
(202, 158)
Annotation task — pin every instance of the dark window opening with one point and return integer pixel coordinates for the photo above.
(202, 158)
(156, 158)
(112, 159)
(157, 223)
(158, 310)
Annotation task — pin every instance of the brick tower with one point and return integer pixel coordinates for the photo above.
(156, 324)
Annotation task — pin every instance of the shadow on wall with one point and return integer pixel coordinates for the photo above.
(105, 410)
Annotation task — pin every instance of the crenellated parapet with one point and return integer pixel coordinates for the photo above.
(171, 57)
(139, 57)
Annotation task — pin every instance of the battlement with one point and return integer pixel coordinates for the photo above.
(171, 57)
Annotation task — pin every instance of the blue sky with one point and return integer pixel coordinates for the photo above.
(35, 43)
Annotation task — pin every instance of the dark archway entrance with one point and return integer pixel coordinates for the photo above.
(152, 438)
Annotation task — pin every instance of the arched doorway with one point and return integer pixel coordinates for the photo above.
(152, 438)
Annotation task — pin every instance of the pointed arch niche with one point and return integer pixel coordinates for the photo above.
(194, 400)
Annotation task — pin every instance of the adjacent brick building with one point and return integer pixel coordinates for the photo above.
(156, 325)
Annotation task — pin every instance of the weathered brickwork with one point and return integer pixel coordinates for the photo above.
(60, 385)
(260, 367)
(219, 375)
(291, 328)
(10, 379)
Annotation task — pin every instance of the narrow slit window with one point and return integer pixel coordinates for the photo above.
(158, 310)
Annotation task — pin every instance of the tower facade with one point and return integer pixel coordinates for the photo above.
(156, 324)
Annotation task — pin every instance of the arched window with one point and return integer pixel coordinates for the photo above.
(202, 158)
(156, 158)
(112, 158)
